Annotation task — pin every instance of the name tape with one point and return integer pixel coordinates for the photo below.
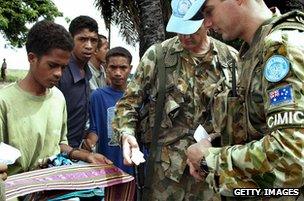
(286, 118)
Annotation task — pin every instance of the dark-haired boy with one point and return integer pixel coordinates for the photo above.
(33, 112)
(74, 82)
(102, 105)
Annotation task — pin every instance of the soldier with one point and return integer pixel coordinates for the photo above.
(265, 119)
(196, 67)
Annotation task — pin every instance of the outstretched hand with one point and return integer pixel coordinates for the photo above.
(129, 143)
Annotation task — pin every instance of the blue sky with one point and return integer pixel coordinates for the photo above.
(17, 59)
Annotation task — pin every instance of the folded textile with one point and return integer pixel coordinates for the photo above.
(70, 177)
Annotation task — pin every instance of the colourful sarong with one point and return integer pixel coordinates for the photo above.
(72, 177)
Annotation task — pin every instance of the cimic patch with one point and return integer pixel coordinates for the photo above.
(276, 68)
(280, 96)
(288, 118)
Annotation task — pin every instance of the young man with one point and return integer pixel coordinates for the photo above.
(33, 111)
(196, 66)
(74, 82)
(97, 64)
(266, 117)
(102, 105)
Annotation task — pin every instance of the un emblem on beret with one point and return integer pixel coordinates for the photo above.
(277, 67)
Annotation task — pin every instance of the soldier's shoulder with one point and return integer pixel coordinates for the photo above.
(283, 34)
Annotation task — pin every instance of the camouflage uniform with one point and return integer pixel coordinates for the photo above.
(191, 82)
(268, 123)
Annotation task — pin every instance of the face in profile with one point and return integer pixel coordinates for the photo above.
(85, 44)
(47, 70)
(223, 17)
(118, 69)
(102, 51)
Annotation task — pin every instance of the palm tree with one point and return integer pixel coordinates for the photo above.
(286, 5)
(140, 21)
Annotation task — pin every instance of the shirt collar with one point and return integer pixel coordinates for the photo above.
(94, 71)
(75, 70)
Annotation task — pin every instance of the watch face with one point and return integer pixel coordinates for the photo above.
(204, 166)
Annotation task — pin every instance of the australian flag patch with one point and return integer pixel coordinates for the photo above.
(280, 96)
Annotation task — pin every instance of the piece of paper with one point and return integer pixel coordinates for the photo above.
(137, 157)
(200, 133)
(8, 154)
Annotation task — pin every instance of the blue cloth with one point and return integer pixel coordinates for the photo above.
(76, 90)
(97, 193)
(102, 105)
(59, 160)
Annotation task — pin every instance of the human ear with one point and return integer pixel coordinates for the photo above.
(31, 57)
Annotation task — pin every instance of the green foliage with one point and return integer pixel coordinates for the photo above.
(16, 14)
(13, 75)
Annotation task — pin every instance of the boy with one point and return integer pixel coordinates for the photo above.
(103, 100)
(33, 111)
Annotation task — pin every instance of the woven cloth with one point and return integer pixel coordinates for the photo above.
(72, 177)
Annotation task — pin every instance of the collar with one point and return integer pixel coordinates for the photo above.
(95, 72)
(75, 70)
(263, 29)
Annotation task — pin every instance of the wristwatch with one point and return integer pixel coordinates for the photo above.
(204, 166)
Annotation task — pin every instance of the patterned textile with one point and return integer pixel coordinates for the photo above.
(74, 177)
(120, 192)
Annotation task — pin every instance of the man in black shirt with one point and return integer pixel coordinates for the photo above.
(74, 82)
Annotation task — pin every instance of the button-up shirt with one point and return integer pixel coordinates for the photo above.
(98, 78)
(76, 91)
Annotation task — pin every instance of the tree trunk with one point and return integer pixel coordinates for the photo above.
(285, 5)
(151, 27)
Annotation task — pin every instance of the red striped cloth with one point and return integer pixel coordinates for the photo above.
(72, 177)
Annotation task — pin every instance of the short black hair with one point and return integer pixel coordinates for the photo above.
(100, 37)
(83, 22)
(45, 36)
(119, 51)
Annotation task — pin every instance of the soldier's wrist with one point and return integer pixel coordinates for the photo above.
(204, 166)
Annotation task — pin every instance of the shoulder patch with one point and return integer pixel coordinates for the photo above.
(280, 96)
(276, 68)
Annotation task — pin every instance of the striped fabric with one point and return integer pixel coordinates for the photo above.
(73, 177)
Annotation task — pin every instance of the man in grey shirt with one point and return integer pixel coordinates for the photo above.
(96, 64)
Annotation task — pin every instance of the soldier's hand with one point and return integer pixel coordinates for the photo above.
(196, 152)
(128, 143)
(196, 172)
(3, 170)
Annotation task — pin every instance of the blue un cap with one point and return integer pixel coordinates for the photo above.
(176, 22)
(194, 12)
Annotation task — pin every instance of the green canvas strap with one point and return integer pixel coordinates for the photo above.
(161, 75)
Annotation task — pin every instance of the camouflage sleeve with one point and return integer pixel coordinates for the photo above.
(276, 160)
(127, 109)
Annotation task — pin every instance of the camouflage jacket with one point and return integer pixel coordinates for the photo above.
(267, 117)
(190, 85)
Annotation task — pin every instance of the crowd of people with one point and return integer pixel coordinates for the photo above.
(75, 100)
